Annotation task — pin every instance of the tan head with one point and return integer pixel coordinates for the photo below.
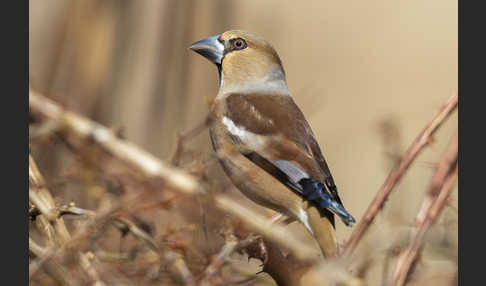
(246, 62)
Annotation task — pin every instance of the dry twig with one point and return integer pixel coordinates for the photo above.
(42, 199)
(104, 137)
(263, 226)
(231, 245)
(170, 256)
(407, 258)
(397, 173)
(183, 137)
(443, 168)
(446, 167)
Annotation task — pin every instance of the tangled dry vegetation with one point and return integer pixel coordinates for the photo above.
(136, 220)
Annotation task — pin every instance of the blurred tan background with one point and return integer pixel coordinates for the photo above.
(368, 75)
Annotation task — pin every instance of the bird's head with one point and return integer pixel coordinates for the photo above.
(246, 62)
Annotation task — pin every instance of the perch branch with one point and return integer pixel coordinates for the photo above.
(397, 173)
(263, 226)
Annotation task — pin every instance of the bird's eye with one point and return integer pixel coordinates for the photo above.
(239, 44)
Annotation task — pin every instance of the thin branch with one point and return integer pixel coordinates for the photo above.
(180, 266)
(263, 226)
(72, 209)
(53, 268)
(36, 249)
(90, 228)
(126, 225)
(38, 193)
(40, 196)
(104, 137)
(84, 261)
(79, 235)
(397, 173)
(409, 256)
(443, 168)
(231, 245)
(170, 256)
(183, 137)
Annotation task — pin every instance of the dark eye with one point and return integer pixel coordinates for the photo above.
(239, 44)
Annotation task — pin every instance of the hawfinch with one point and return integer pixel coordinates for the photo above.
(267, 147)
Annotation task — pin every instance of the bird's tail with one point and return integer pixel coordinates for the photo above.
(321, 225)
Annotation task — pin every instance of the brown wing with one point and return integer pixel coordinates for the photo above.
(293, 139)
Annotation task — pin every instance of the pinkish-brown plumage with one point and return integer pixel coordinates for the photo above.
(266, 144)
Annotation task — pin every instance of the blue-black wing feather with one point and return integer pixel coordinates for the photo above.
(308, 188)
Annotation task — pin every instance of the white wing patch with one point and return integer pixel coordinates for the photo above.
(233, 129)
(251, 140)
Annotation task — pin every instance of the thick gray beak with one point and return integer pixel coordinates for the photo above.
(210, 48)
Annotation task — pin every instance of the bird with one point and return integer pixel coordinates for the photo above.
(265, 145)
